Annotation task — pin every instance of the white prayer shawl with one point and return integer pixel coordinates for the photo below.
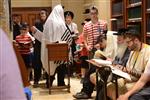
(38, 35)
(54, 28)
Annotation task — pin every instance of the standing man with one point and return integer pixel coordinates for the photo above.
(16, 26)
(37, 47)
(91, 31)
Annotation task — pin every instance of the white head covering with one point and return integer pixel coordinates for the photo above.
(54, 28)
(55, 25)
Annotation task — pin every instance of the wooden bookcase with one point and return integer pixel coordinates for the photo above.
(117, 14)
(147, 15)
(132, 14)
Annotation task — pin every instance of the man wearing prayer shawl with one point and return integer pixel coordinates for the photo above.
(54, 30)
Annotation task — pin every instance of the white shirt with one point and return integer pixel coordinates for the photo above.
(73, 27)
(147, 69)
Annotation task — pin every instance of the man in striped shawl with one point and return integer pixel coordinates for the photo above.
(55, 30)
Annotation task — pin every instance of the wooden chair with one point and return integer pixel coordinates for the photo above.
(23, 69)
(58, 52)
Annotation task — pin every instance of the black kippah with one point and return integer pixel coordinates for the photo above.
(68, 13)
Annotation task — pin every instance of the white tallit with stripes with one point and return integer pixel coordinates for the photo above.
(54, 30)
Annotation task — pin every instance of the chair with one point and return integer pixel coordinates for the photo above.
(58, 52)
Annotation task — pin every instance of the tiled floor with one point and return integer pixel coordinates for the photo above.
(41, 93)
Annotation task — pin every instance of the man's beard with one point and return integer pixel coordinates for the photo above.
(121, 49)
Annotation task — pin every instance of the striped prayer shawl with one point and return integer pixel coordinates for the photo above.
(65, 37)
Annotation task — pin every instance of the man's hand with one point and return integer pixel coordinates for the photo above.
(97, 46)
(123, 97)
(33, 29)
(89, 48)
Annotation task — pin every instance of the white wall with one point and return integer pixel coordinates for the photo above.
(76, 6)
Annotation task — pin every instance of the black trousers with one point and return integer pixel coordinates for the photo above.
(88, 87)
(61, 71)
(143, 94)
(37, 63)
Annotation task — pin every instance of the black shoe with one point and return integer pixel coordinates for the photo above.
(81, 95)
(35, 84)
(62, 84)
(51, 81)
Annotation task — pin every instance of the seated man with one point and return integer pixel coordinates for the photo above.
(87, 85)
(140, 91)
(121, 56)
(136, 64)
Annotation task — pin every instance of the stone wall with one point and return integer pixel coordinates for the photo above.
(4, 16)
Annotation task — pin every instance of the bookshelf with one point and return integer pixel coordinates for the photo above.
(132, 14)
(117, 14)
(147, 10)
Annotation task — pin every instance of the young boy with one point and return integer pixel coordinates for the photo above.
(25, 43)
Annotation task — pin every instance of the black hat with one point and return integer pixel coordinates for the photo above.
(24, 26)
(121, 31)
(68, 13)
(86, 11)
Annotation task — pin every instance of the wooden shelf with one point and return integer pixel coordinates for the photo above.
(117, 15)
(135, 15)
(133, 20)
(148, 11)
(148, 35)
(134, 5)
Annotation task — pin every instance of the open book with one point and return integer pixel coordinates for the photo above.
(101, 63)
(100, 55)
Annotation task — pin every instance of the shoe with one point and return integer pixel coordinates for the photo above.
(35, 84)
(52, 78)
(81, 95)
(62, 84)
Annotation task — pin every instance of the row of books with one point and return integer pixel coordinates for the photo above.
(134, 1)
(148, 4)
(117, 24)
(117, 8)
(148, 24)
(148, 40)
(134, 12)
(136, 28)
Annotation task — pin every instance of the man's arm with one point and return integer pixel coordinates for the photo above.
(85, 39)
(138, 86)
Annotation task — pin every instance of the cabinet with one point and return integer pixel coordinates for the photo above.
(147, 15)
(132, 14)
(117, 14)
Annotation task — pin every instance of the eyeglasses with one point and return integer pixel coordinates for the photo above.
(128, 41)
(93, 13)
